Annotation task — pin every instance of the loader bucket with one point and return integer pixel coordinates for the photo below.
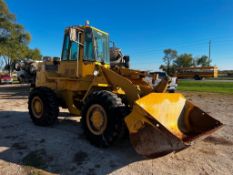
(161, 123)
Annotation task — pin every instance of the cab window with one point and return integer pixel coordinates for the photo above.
(102, 46)
(74, 50)
(65, 51)
(88, 46)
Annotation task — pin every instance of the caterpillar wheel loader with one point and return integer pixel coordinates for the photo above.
(111, 99)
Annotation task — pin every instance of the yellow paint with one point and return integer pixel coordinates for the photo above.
(97, 119)
(68, 69)
(68, 97)
(136, 119)
(119, 91)
(163, 108)
(103, 85)
(190, 72)
(117, 81)
(37, 107)
(100, 64)
(99, 30)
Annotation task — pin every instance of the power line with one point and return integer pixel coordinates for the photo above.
(167, 46)
(209, 49)
(184, 46)
(214, 39)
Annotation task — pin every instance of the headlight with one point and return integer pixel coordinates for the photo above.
(96, 73)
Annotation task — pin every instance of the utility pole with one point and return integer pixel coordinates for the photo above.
(209, 49)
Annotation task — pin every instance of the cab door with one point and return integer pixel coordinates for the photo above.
(70, 55)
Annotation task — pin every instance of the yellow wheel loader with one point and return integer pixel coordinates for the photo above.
(108, 99)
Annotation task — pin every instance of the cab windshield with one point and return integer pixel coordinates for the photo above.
(102, 46)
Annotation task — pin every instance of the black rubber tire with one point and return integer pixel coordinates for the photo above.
(197, 77)
(172, 91)
(115, 111)
(21, 79)
(50, 106)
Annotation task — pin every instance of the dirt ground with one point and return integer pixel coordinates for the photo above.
(63, 149)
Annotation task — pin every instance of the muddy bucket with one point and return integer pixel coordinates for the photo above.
(161, 123)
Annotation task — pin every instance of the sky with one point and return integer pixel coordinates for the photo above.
(142, 28)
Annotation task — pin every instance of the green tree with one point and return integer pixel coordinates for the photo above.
(169, 56)
(33, 54)
(203, 61)
(14, 39)
(184, 60)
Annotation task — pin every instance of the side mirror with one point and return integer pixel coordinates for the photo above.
(56, 60)
(127, 59)
(73, 34)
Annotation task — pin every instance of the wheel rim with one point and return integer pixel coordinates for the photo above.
(37, 107)
(96, 119)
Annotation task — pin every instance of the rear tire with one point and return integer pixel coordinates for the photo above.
(43, 106)
(112, 111)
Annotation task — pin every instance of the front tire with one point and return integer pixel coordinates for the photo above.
(102, 118)
(43, 106)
